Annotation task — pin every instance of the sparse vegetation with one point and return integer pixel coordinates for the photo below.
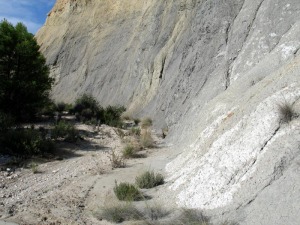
(146, 139)
(25, 142)
(129, 151)
(34, 167)
(135, 131)
(112, 116)
(146, 122)
(164, 132)
(155, 212)
(153, 215)
(66, 131)
(125, 116)
(190, 217)
(286, 112)
(87, 109)
(136, 121)
(121, 212)
(61, 107)
(49, 109)
(120, 133)
(149, 180)
(116, 160)
(127, 192)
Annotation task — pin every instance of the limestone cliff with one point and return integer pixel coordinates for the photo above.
(215, 72)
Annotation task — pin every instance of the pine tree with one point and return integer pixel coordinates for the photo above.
(24, 75)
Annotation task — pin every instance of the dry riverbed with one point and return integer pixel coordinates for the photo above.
(73, 188)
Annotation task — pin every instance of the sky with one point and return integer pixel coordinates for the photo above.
(32, 13)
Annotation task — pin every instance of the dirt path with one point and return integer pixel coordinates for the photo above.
(73, 190)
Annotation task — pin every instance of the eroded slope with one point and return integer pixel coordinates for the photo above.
(214, 72)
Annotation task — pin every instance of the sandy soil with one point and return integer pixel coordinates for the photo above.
(73, 188)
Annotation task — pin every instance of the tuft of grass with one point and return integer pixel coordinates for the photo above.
(146, 122)
(127, 192)
(129, 151)
(135, 131)
(149, 180)
(34, 167)
(155, 212)
(126, 116)
(116, 160)
(146, 139)
(286, 112)
(121, 212)
(136, 121)
(190, 217)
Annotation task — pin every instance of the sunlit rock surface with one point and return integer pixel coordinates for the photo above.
(214, 72)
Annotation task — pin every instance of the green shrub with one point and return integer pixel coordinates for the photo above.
(149, 180)
(87, 114)
(127, 192)
(129, 151)
(87, 108)
(49, 109)
(112, 116)
(25, 142)
(66, 131)
(86, 102)
(120, 213)
(61, 106)
(146, 122)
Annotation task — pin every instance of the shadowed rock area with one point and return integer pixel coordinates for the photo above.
(215, 72)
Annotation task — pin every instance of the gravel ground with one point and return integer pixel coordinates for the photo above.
(72, 189)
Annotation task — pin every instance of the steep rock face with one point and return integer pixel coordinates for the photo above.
(215, 72)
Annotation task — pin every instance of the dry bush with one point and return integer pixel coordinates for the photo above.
(149, 180)
(129, 151)
(120, 212)
(146, 122)
(286, 112)
(120, 133)
(136, 131)
(146, 139)
(190, 217)
(164, 132)
(126, 116)
(116, 160)
(136, 121)
(127, 192)
(155, 212)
